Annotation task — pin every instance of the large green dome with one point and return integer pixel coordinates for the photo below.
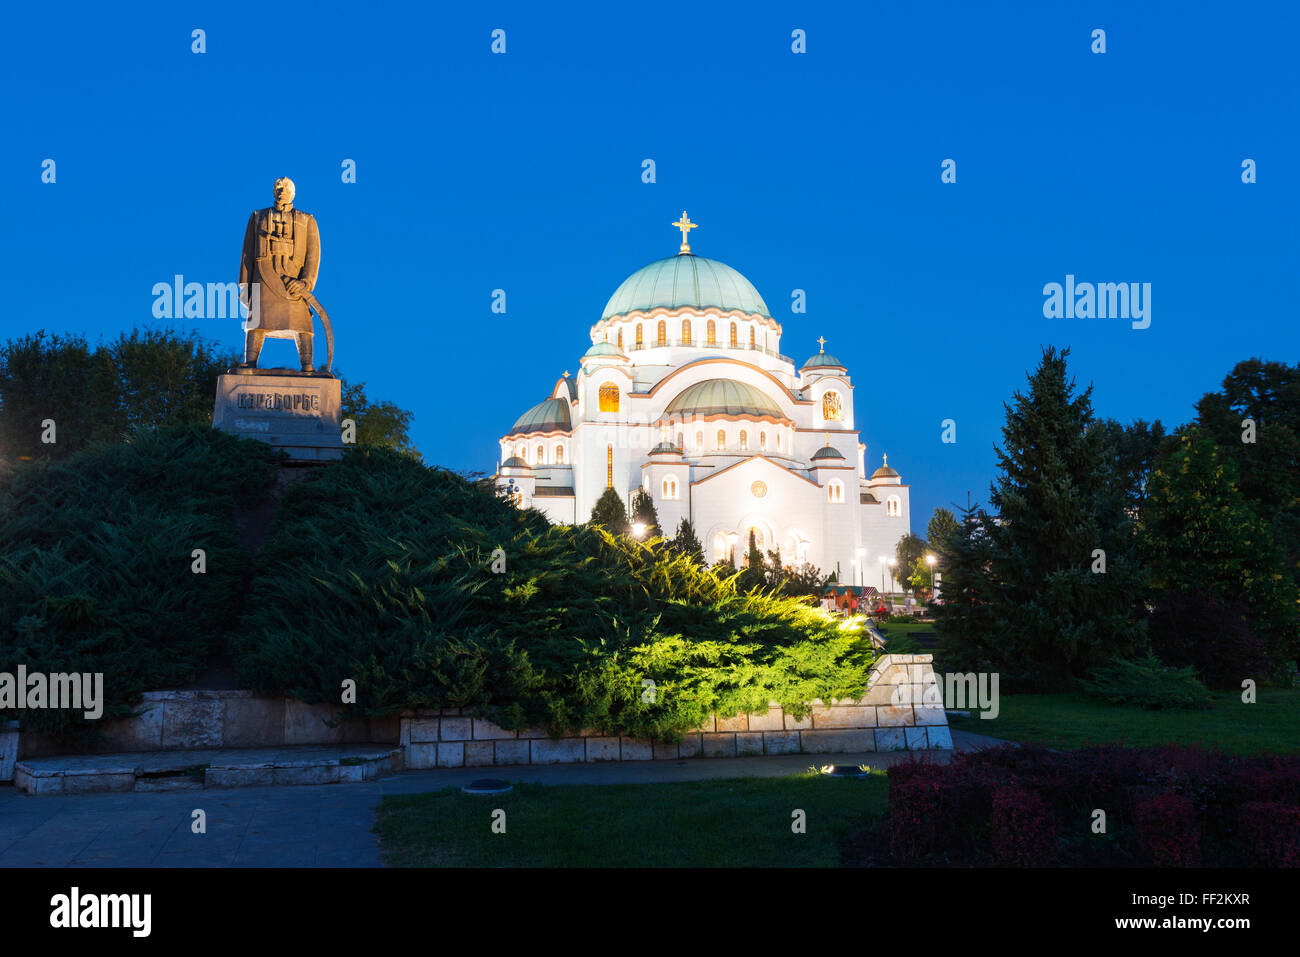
(549, 416)
(685, 280)
(723, 397)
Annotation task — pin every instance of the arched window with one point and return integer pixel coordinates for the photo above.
(733, 335)
(620, 340)
(609, 466)
(752, 342)
(608, 396)
(762, 441)
(559, 455)
(759, 541)
(722, 439)
(670, 488)
(835, 491)
(744, 441)
(699, 441)
(680, 443)
(832, 411)
(712, 330)
(686, 332)
(778, 441)
(721, 547)
(521, 452)
(661, 334)
(893, 506)
(639, 340)
(541, 455)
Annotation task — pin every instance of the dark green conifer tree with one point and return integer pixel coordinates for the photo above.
(610, 512)
(1063, 586)
(685, 542)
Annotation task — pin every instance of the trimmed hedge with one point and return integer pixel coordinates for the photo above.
(381, 570)
(95, 562)
(1171, 806)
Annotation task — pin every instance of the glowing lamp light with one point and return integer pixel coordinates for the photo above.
(638, 529)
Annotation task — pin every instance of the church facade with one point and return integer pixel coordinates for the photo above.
(685, 393)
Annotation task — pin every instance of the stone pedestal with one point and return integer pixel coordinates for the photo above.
(293, 412)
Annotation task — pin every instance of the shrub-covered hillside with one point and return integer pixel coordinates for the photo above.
(382, 571)
(96, 562)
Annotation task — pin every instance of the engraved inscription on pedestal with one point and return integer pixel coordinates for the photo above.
(298, 414)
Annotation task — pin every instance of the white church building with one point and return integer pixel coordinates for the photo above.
(685, 393)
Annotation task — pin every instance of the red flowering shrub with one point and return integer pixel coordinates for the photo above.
(1168, 830)
(1023, 832)
(1270, 833)
(919, 812)
(1172, 806)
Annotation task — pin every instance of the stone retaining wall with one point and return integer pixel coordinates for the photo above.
(8, 749)
(900, 711)
(183, 720)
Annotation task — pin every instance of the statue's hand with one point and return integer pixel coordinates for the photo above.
(295, 287)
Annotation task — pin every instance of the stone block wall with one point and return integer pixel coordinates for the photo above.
(900, 710)
(183, 720)
(8, 749)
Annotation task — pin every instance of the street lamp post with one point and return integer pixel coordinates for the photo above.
(929, 560)
(883, 560)
(862, 571)
(893, 583)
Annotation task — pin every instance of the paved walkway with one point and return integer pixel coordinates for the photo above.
(312, 826)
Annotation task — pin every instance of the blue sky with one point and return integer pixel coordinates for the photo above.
(818, 171)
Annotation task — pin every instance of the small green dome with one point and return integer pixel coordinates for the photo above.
(515, 462)
(682, 281)
(604, 349)
(823, 359)
(664, 448)
(723, 397)
(884, 472)
(549, 416)
(826, 452)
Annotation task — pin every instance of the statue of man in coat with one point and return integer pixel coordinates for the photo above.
(282, 254)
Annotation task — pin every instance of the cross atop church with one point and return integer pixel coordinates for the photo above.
(685, 225)
(821, 341)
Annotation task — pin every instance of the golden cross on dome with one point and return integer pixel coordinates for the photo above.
(886, 460)
(685, 225)
(822, 342)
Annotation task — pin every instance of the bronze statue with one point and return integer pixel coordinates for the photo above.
(282, 255)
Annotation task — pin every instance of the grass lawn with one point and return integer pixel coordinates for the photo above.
(1074, 720)
(740, 822)
(899, 636)
(907, 627)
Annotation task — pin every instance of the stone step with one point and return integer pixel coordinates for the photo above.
(206, 768)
